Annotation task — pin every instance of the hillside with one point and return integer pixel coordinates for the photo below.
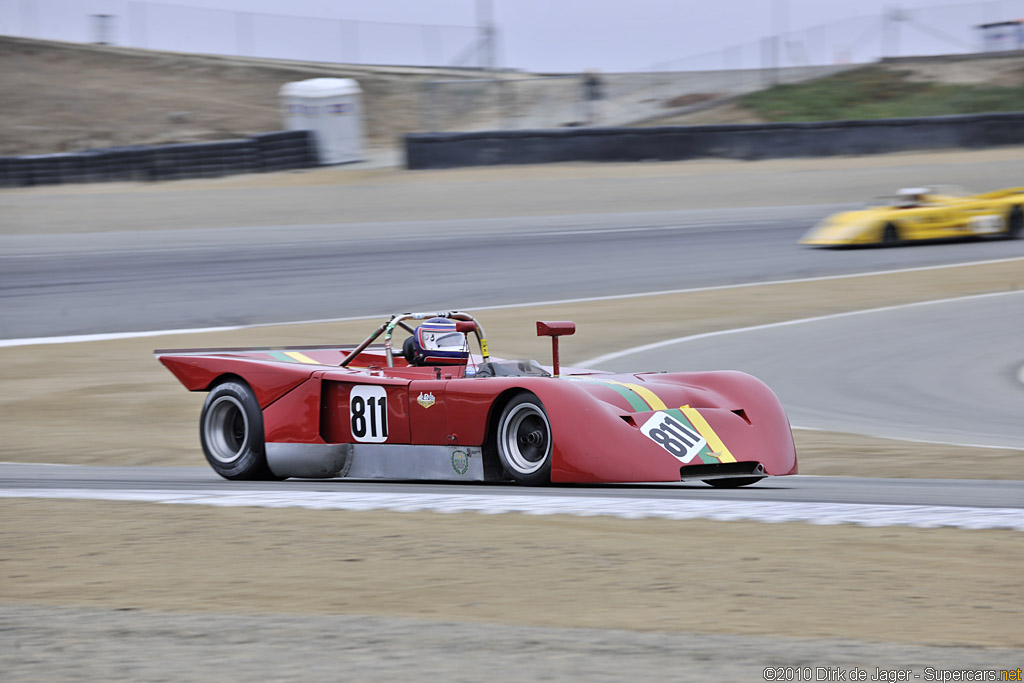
(61, 97)
(925, 86)
(64, 97)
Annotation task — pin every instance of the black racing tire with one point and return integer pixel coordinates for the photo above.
(524, 441)
(231, 431)
(732, 482)
(1014, 221)
(890, 234)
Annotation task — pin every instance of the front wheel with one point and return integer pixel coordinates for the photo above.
(732, 482)
(231, 431)
(524, 440)
(1014, 221)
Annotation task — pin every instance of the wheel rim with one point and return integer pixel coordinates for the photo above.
(526, 438)
(226, 429)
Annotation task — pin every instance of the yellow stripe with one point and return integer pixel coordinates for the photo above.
(301, 357)
(697, 420)
(643, 392)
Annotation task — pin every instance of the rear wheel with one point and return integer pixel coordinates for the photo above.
(524, 440)
(231, 431)
(1014, 220)
(890, 234)
(732, 482)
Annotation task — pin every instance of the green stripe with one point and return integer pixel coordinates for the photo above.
(639, 405)
(705, 452)
(277, 355)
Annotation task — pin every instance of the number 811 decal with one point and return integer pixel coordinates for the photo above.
(679, 439)
(368, 414)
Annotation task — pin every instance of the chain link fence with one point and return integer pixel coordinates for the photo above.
(179, 28)
(515, 102)
(706, 79)
(894, 32)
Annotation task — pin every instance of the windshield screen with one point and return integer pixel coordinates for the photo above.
(511, 368)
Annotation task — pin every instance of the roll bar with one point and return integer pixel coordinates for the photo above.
(398, 320)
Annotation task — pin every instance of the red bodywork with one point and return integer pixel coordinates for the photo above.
(596, 418)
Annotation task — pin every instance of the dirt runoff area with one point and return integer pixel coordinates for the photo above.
(120, 591)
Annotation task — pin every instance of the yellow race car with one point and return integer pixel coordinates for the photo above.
(924, 214)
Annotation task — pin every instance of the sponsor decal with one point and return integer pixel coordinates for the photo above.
(303, 109)
(425, 399)
(460, 461)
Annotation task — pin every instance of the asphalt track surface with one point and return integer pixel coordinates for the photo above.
(53, 285)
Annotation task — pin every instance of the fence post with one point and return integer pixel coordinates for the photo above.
(485, 23)
(770, 61)
(103, 23)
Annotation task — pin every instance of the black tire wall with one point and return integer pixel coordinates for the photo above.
(739, 141)
(277, 151)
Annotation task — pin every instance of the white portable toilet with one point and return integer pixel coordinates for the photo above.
(333, 109)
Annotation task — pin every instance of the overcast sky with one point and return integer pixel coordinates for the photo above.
(538, 35)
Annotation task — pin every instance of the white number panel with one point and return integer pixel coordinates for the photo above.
(368, 414)
(986, 225)
(678, 439)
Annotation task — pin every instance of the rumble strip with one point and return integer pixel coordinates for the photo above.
(921, 516)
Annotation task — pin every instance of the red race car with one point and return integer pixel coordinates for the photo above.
(435, 411)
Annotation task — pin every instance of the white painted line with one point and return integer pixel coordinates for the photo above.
(78, 338)
(594, 362)
(1020, 374)
(921, 516)
(110, 336)
(644, 228)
